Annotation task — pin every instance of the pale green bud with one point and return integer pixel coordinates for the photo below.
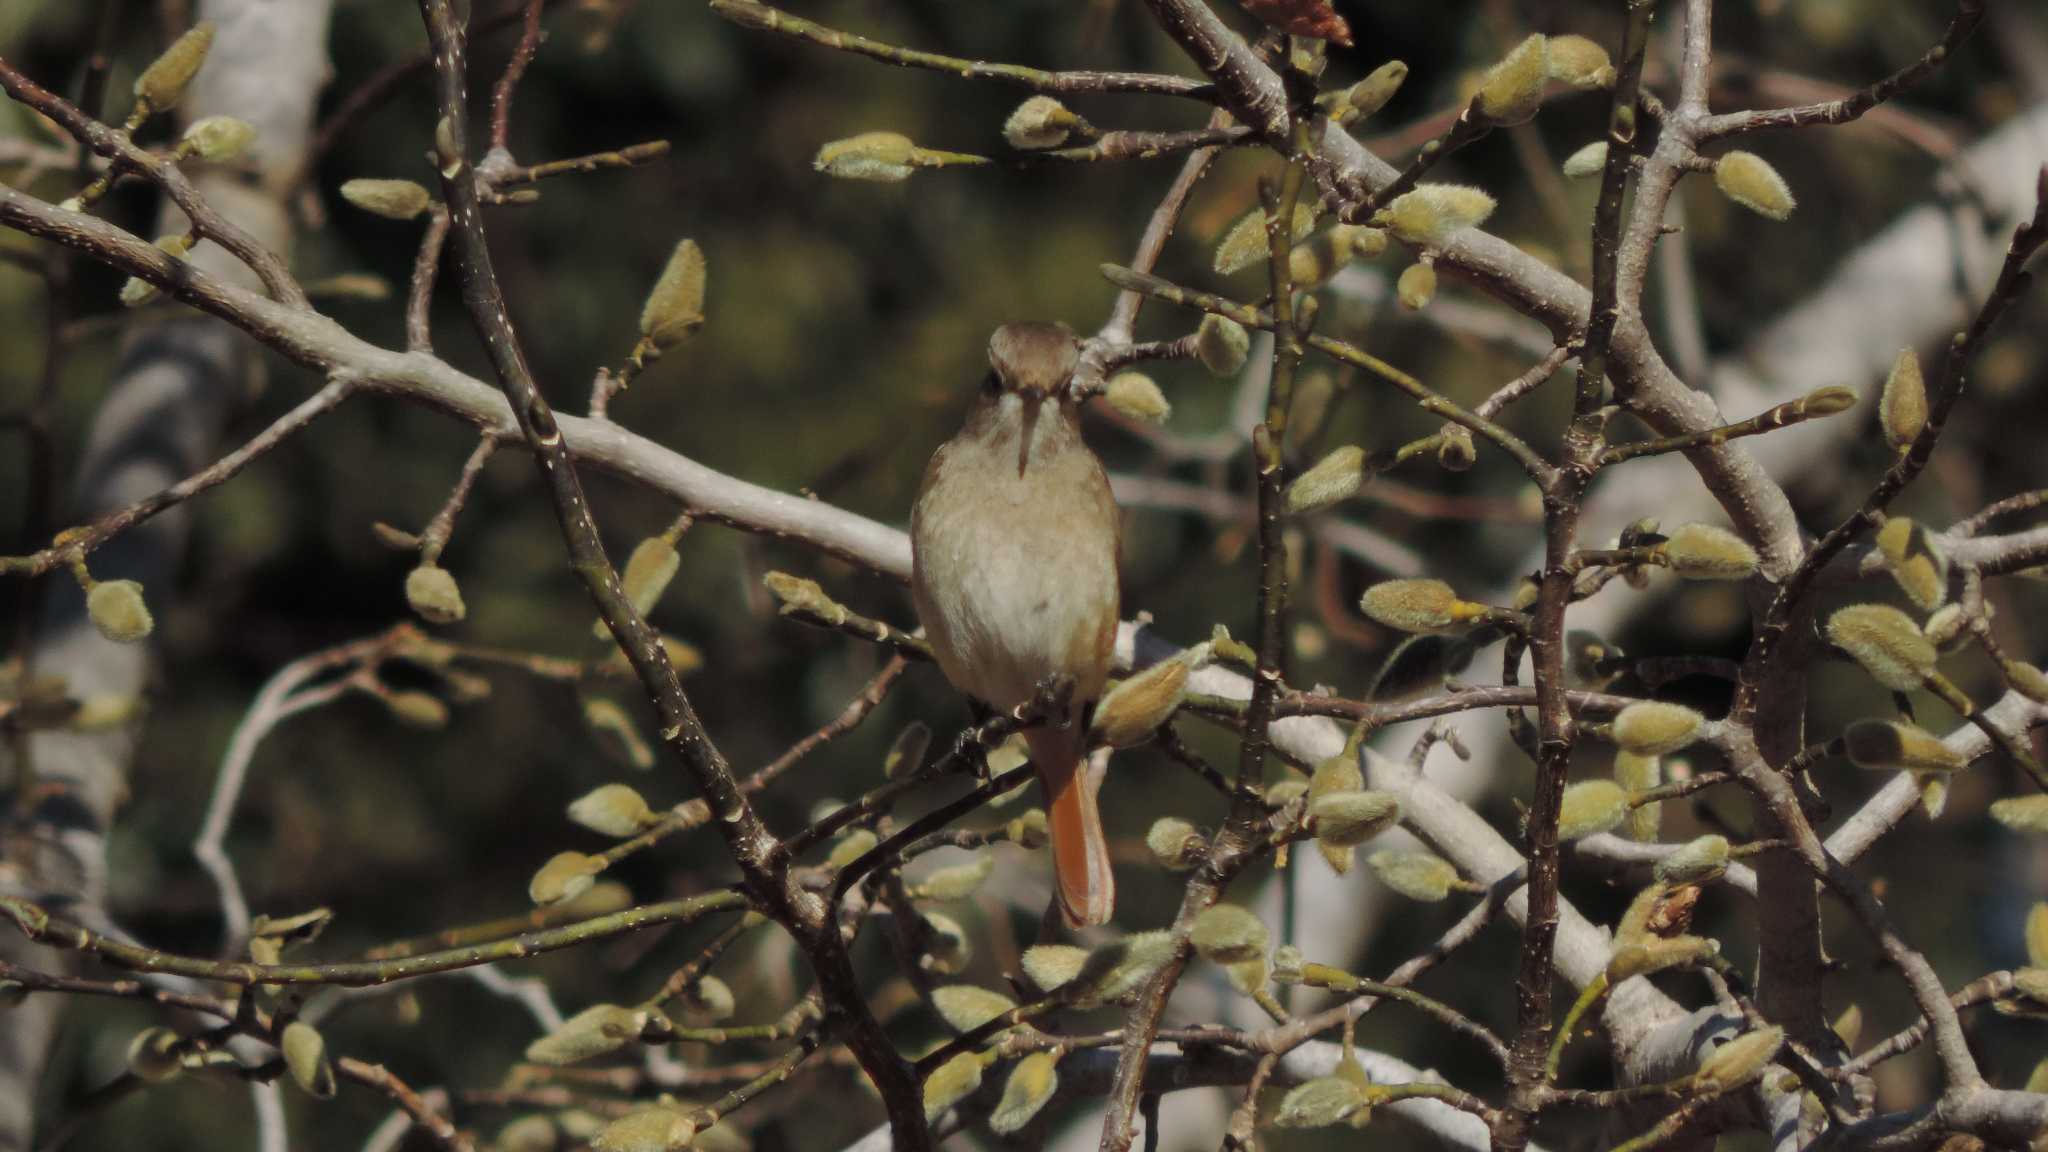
(391, 199)
(959, 881)
(2037, 935)
(1416, 875)
(1319, 1103)
(1512, 90)
(2025, 678)
(1053, 966)
(1639, 773)
(164, 81)
(1135, 708)
(1245, 244)
(118, 611)
(1696, 862)
(967, 1006)
(906, 754)
(1416, 286)
(1333, 479)
(1420, 605)
(1902, 407)
(851, 847)
(1347, 819)
(612, 810)
(1136, 395)
(1742, 1059)
(1580, 63)
(535, 1133)
(1229, 934)
(565, 876)
(153, 1056)
(434, 595)
(1379, 86)
(598, 1030)
(1704, 552)
(1040, 122)
(1032, 1082)
(657, 1129)
(418, 709)
(1590, 806)
(1747, 179)
(799, 595)
(1430, 214)
(218, 138)
(950, 1083)
(1656, 728)
(675, 306)
(2027, 814)
(1222, 344)
(1175, 844)
(1893, 745)
(711, 998)
(1916, 562)
(1886, 642)
(305, 1057)
(881, 156)
(1651, 954)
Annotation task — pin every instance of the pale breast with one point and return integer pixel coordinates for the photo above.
(1015, 575)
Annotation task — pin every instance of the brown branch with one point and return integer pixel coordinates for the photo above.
(515, 71)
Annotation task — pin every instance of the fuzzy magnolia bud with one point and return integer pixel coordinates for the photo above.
(851, 847)
(1580, 63)
(1222, 344)
(1334, 776)
(1311, 265)
(2037, 936)
(1902, 408)
(1246, 245)
(1120, 969)
(797, 595)
(118, 611)
(1379, 86)
(2027, 814)
(391, 199)
(1747, 179)
(612, 810)
(418, 709)
(1455, 451)
(1653, 954)
(1655, 728)
(958, 881)
(1696, 862)
(1416, 286)
(882, 156)
(711, 998)
(305, 1057)
(1029, 830)
(1032, 1082)
(1426, 606)
(1916, 562)
(950, 1083)
(153, 1056)
(565, 876)
(1590, 806)
(1704, 552)
(1416, 875)
(2025, 679)
(906, 754)
(596, 1031)
(1135, 395)
(217, 138)
(947, 949)
(1040, 122)
(657, 1129)
(675, 306)
(135, 291)
(1886, 642)
(1136, 707)
(1319, 1103)
(1175, 844)
(648, 571)
(1512, 90)
(1333, 479)
(1742, 1059)
(1892, 745)
(1588, 161)
(609, 720)
(165, 80)
(1053, 966)
(1636, 772)
(434, 595)
(1347, 819)
(1430, 214)
(1229, 934)
(968, 1006)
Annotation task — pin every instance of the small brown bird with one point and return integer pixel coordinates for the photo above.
(1014, 551)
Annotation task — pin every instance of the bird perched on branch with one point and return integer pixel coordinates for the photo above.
(1014, 554)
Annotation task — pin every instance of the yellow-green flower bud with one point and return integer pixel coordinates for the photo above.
(1135, 395)
(968, 1006)
(1416, 286)
(1590, 806)
(118, 611)
(1430, 214)
(2037, 935)
(1696, 862)
(598, 1030)
(1222, 344)
(1348, 819)
(1175, 844)
(958, 881)
(2027, 814)
(1379, 86)
(947, 949)
(1040, 122)
(608, 719)
(1455, 451)
(1747, 179)
(800, 596)
(1130, 712)
(1127, 965)
(1742, 1059)
(535, 1133)
(433, 594)
(1229, 934)
(1651, 954)
(711, 998)
(1704, 552)
(881, 156)
(613, 810)
(305, 1057)
(1639, 773)
(1512, 90)
(1030, 830)
(1335, 478)
(418, 709)
(657, 1129)
(1655, 728)
(164, 81)
(565, 876)
(1419, 605)
(154, 1057)
(1319, 1103)
(1946, 628)
(950, 1083)
(1580, 63)
(217, 138)
(1032, 1082)
(391, 199)
(1245, 244)
(1053, 966)
(1886, 642)
(648, 571)
(851, 847)
(906, 754)
(1916, 562)
(675, 306)
(1894, 746)
(2025, 679)
(1902, 407)
(1416, 875)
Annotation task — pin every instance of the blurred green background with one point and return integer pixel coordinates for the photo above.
(846, 329)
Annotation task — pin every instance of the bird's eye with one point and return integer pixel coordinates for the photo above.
(991, 384)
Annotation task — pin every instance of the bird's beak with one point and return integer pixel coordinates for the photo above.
(1033, 402)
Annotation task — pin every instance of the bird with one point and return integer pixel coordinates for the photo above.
(1014, 541)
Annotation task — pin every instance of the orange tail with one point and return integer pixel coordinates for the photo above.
(1080, 856)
